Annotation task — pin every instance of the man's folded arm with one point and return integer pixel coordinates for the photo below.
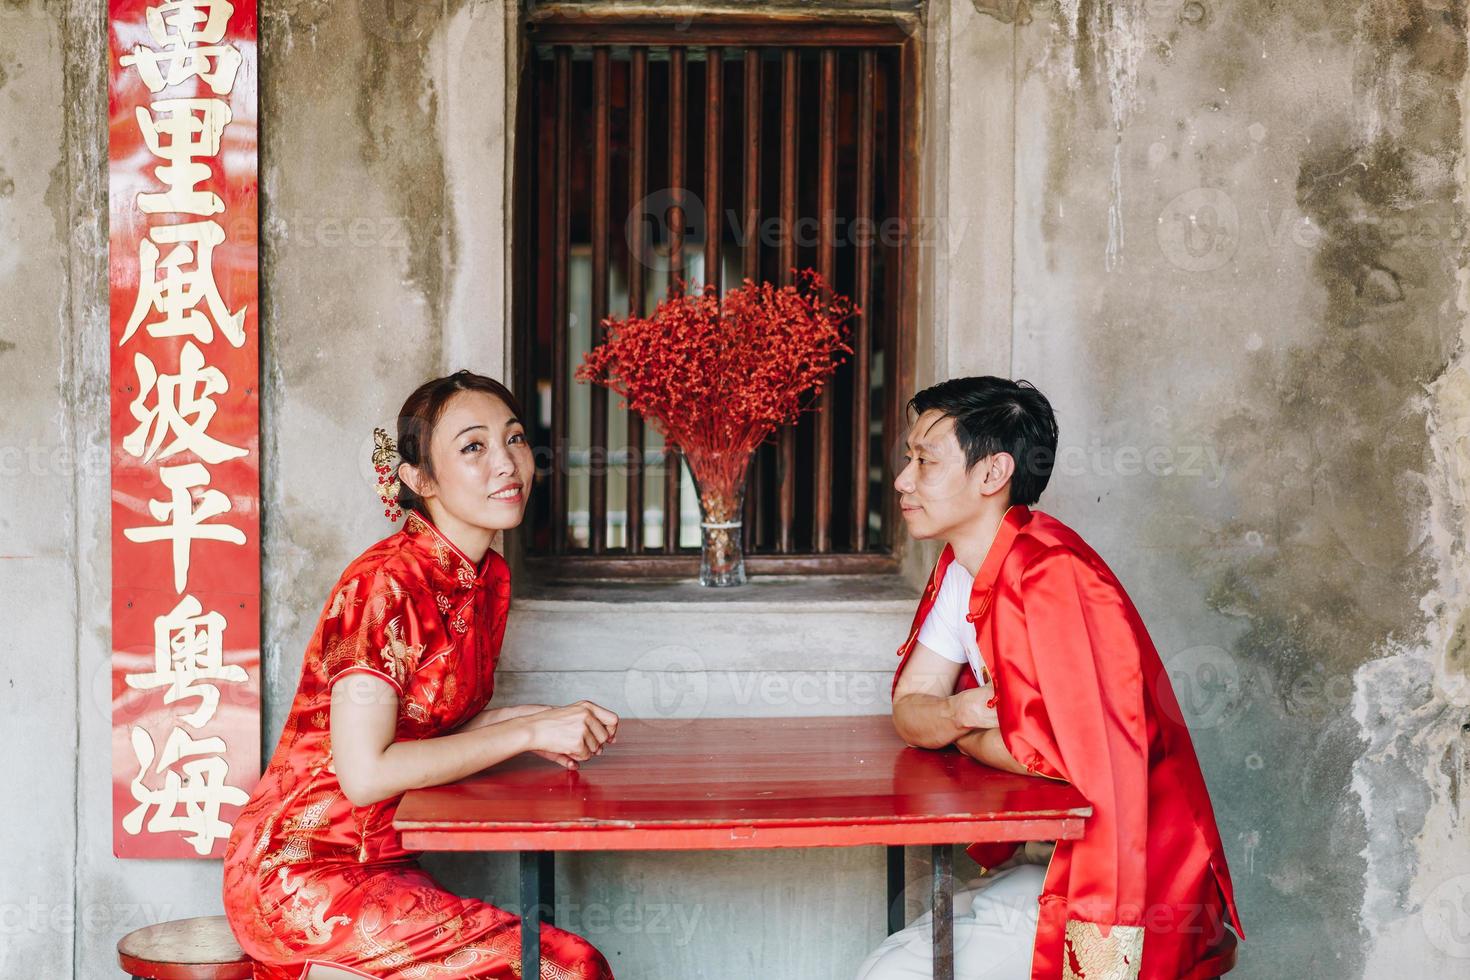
(986, 745)
(925, 712)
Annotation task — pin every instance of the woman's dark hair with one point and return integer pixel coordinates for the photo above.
(996, 415)
(421, 412)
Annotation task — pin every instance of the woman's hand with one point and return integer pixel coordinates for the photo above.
(576, 732)
(490, 716)
(372, 765)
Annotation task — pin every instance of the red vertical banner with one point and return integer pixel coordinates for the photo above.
(185, 412)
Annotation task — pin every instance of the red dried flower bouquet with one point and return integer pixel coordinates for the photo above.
(717, 375)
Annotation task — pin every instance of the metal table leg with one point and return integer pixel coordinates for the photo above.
(538, 899)
(895, 888)
(942, 907)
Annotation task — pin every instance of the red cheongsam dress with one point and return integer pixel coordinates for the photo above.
(308, 877)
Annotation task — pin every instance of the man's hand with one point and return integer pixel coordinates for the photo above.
(986, 745)
(971, 708)
(925, 713)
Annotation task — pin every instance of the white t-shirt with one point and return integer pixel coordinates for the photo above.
(946, 631)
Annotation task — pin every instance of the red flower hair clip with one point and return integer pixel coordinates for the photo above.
(385, 464)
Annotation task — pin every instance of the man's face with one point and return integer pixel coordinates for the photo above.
(935, 491)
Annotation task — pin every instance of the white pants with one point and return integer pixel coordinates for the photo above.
(994, 933)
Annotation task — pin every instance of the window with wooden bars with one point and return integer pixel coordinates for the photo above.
(713, 154)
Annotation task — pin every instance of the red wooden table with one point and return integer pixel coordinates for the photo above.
(719, 783)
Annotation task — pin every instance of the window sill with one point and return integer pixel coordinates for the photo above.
(765, 593)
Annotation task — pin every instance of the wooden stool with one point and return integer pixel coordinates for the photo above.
(185, 949)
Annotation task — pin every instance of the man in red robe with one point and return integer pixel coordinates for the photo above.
(1027, 654)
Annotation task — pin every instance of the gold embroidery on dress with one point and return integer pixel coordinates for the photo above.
(392, 955)
(345, 596)
(266, 830)
(362, 834)
(308, 908)
(392, 589)
(299, 831)
(346, 650)
(415, 711)
(417, 706)
(296, 850)
(379, 952)
(313, 816)
(399, 657)
(1116, 956)
(341, 652)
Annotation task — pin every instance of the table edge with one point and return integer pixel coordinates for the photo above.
(753, 836)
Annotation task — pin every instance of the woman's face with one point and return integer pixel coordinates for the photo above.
(483, 465)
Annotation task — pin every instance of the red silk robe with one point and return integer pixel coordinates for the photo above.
(1082, 696)
(310, 878)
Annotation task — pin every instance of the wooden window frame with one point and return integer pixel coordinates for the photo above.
(602, 31)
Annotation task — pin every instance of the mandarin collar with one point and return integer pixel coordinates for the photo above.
(448, 559)
(1016, 517)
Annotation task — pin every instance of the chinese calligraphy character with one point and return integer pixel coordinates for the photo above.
(183, 407)
(188, 280)
(179, 131)
(187, 524)
(177, 62)
(188, 649)
(199, 793)
(182, 24)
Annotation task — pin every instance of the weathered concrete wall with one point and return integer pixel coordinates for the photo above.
(1251, 328)
(38, 698)
(1252, 334)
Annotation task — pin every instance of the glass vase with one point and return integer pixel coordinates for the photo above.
(722, 533)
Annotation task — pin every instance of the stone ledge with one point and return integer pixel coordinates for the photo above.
(763, 594)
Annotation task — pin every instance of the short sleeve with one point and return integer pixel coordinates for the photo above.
(372, 626)
(939, 632)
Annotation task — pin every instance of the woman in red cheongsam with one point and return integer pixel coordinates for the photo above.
(393, 696)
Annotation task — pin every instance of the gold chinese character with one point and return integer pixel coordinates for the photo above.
(180, 131)
(177, 285)
(189, 803)
(188, 652)
(186, 524)
(183, 407)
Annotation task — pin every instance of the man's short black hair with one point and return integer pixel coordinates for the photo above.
(996, 415)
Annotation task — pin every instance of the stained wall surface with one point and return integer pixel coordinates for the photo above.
(1226, 239)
